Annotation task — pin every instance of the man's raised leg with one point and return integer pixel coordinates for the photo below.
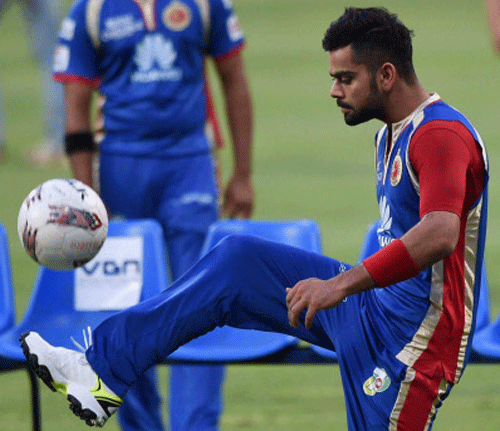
(241, 283)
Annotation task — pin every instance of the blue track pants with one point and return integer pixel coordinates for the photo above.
(242, 283)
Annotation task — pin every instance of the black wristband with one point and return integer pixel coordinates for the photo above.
(80, 141)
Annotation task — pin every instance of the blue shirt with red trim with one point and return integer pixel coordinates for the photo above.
(147, 60)
(434, 160)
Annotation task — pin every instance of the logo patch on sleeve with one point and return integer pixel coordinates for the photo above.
(61, 58)
(234, 29)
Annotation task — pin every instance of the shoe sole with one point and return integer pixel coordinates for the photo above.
(43, 373)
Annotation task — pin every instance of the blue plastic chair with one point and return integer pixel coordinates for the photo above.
(486, 342)
(8, 321)
(7, 306)
(52, 308)
(238, 345)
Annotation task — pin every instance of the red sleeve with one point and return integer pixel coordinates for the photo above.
(447, 162)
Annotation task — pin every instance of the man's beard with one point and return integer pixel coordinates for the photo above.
(371, 109)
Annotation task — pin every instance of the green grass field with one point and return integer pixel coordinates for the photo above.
(307, 164)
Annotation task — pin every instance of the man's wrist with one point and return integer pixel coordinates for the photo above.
(78, 142)
(391, 265)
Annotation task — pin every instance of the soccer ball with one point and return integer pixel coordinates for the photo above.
(62, 224)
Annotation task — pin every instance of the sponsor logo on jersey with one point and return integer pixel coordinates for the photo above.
(67, 29)
(176, 16)
(384, 231)
(233, 28)
(61, 58)
(195, 198)
(377, 383)
(380, 174)
(397, 169)
(155, 57)
(119, 27)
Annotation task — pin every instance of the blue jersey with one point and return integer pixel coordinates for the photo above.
(435, 310)
(147, 59)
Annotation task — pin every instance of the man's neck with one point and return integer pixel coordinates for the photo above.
(404, 100)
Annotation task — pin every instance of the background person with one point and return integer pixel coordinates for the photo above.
(147, 60)
(42, 19)
(492, 8)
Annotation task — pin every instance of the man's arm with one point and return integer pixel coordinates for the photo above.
(238, 195)
(78, 98)
(493, 15)
(429, 241)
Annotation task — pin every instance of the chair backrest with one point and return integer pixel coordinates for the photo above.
(7, 305)
(299, 233)
(131, 266)
(370, 242)
(229, 344)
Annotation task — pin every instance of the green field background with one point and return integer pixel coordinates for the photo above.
(308, 164)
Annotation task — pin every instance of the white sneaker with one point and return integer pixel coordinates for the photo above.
(68, 372)
(47, 155)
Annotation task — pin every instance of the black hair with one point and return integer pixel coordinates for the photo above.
(376, 37)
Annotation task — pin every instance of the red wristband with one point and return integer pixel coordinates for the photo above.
(391, 265)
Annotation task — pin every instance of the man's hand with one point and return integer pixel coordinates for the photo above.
(238, 198)
(314, 294)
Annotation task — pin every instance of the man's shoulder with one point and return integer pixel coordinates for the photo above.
(440, 110)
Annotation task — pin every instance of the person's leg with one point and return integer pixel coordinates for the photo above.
(241, 283)
(42, 18)
(2, 129)
(141, 407)
(195, 401)
(189, 207)
(3, 8)
(381, 393)
(195, 391)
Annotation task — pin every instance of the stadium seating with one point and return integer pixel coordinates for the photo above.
(62, 304)
(242, 345)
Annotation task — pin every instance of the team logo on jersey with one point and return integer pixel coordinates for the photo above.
(397, 169)
(176, 16)
(378, 382)
(155, 57)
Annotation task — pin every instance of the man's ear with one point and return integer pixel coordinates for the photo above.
(386, 76)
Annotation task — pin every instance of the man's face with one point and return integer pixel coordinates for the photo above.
(354, 87)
